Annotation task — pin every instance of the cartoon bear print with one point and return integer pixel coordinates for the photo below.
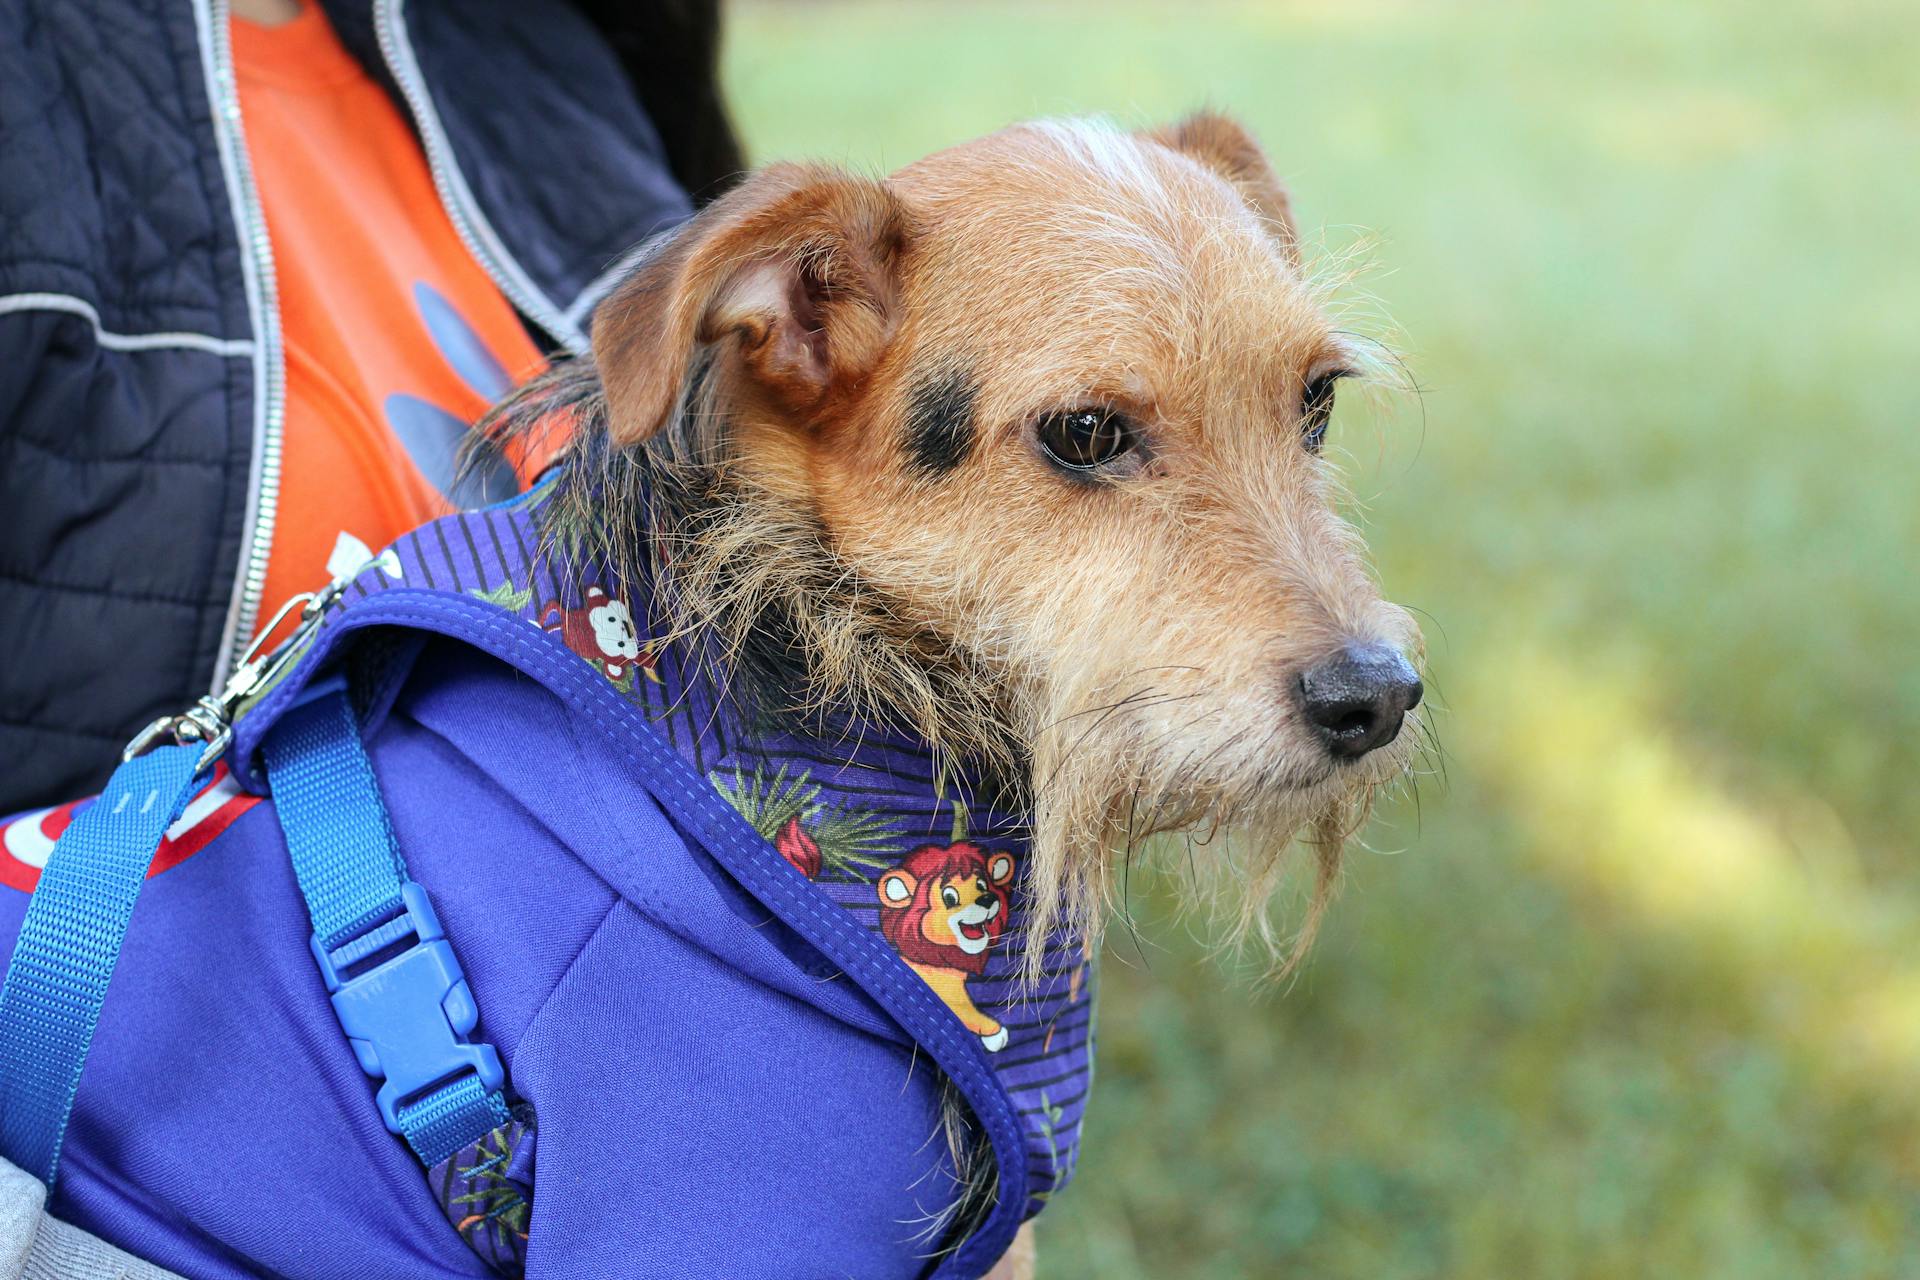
(943, 907)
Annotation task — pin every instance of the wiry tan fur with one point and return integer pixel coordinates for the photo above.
(1129, 649)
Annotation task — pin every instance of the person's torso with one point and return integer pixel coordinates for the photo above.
(143, 404)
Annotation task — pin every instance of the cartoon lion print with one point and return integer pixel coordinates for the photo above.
(943, 907)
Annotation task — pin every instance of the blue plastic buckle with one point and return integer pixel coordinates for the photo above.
(407, 1017)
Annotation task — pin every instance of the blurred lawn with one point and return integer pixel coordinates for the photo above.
(1637, 991)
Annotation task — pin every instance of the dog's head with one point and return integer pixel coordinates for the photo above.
(1048, 407)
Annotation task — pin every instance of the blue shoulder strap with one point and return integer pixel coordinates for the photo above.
(76, 921)
(397, 988)
(69, 943)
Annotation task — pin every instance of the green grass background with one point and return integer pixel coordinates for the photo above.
(1635, 989)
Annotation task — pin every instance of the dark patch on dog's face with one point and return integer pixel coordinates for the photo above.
(940, 429)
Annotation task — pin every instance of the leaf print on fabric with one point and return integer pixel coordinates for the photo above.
(787, 811)
(505, 596)
(483, 1191)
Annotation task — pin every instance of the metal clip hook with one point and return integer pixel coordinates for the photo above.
(210, 720)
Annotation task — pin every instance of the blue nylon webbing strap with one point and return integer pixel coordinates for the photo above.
(443, 1123)
(68, 945)
(336, 825)
(408, 1014)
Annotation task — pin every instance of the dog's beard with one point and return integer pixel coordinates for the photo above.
(1112, 787)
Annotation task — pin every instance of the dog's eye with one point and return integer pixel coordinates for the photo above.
(1316, 409)
(948, 896)
(1085, 439)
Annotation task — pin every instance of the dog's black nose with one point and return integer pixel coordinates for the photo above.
(1357, 698)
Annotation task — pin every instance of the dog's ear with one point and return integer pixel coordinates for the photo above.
(796, 268)
(1230, 151)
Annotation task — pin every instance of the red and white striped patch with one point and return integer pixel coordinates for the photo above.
(27, 839)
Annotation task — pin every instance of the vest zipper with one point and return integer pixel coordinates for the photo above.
(256, 252)
(469, 223)
(263, 309)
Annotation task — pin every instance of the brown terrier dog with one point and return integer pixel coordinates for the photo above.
(1024, 445)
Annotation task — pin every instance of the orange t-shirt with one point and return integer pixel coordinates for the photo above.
(396, 340)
